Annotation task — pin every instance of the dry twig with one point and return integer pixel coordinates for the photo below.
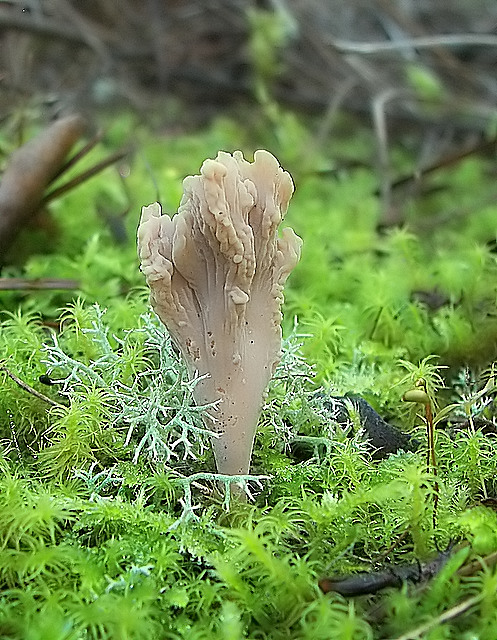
(29, 388)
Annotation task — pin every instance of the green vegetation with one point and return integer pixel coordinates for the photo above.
(111, 526)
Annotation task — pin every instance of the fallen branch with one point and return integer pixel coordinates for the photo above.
(383, 437)
(394, 576)
(370, 582)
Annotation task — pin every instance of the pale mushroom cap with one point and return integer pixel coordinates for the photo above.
(216, 272)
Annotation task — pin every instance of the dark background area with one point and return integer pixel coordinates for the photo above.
(362, 56)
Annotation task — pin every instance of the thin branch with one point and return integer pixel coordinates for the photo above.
(30, 389)
(425, 42)
(446, 161)
(25, 284)
(450, 614)
(89, 173)
(448, 60)
(478, 564)
(380, 125)
(456, 213)
(80, 154)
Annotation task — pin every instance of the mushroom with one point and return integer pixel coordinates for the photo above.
(216, 271)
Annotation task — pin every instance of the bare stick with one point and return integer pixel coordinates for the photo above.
(80, 154)
(25, 284)
(30, 389)
(425, 42)
(446, 161)
(450, 614)
(100, 166)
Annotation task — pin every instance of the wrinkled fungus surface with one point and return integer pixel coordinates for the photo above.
(216, 271)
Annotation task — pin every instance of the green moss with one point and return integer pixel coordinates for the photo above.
(111, 522)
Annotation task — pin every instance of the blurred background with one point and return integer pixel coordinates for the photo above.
(426, 67)
(416, 72)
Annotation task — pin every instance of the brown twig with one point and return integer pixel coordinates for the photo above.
(447, 161)
(365, 583)
(424, 42)
(89, 173)
(440, 52)
(478, 564)
(380, 125)
(29, 388)
(450, 215)
(26, 284)
(80, 154)
(394, 545)
(450, 614)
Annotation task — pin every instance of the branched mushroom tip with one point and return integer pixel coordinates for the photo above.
(216, 271)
